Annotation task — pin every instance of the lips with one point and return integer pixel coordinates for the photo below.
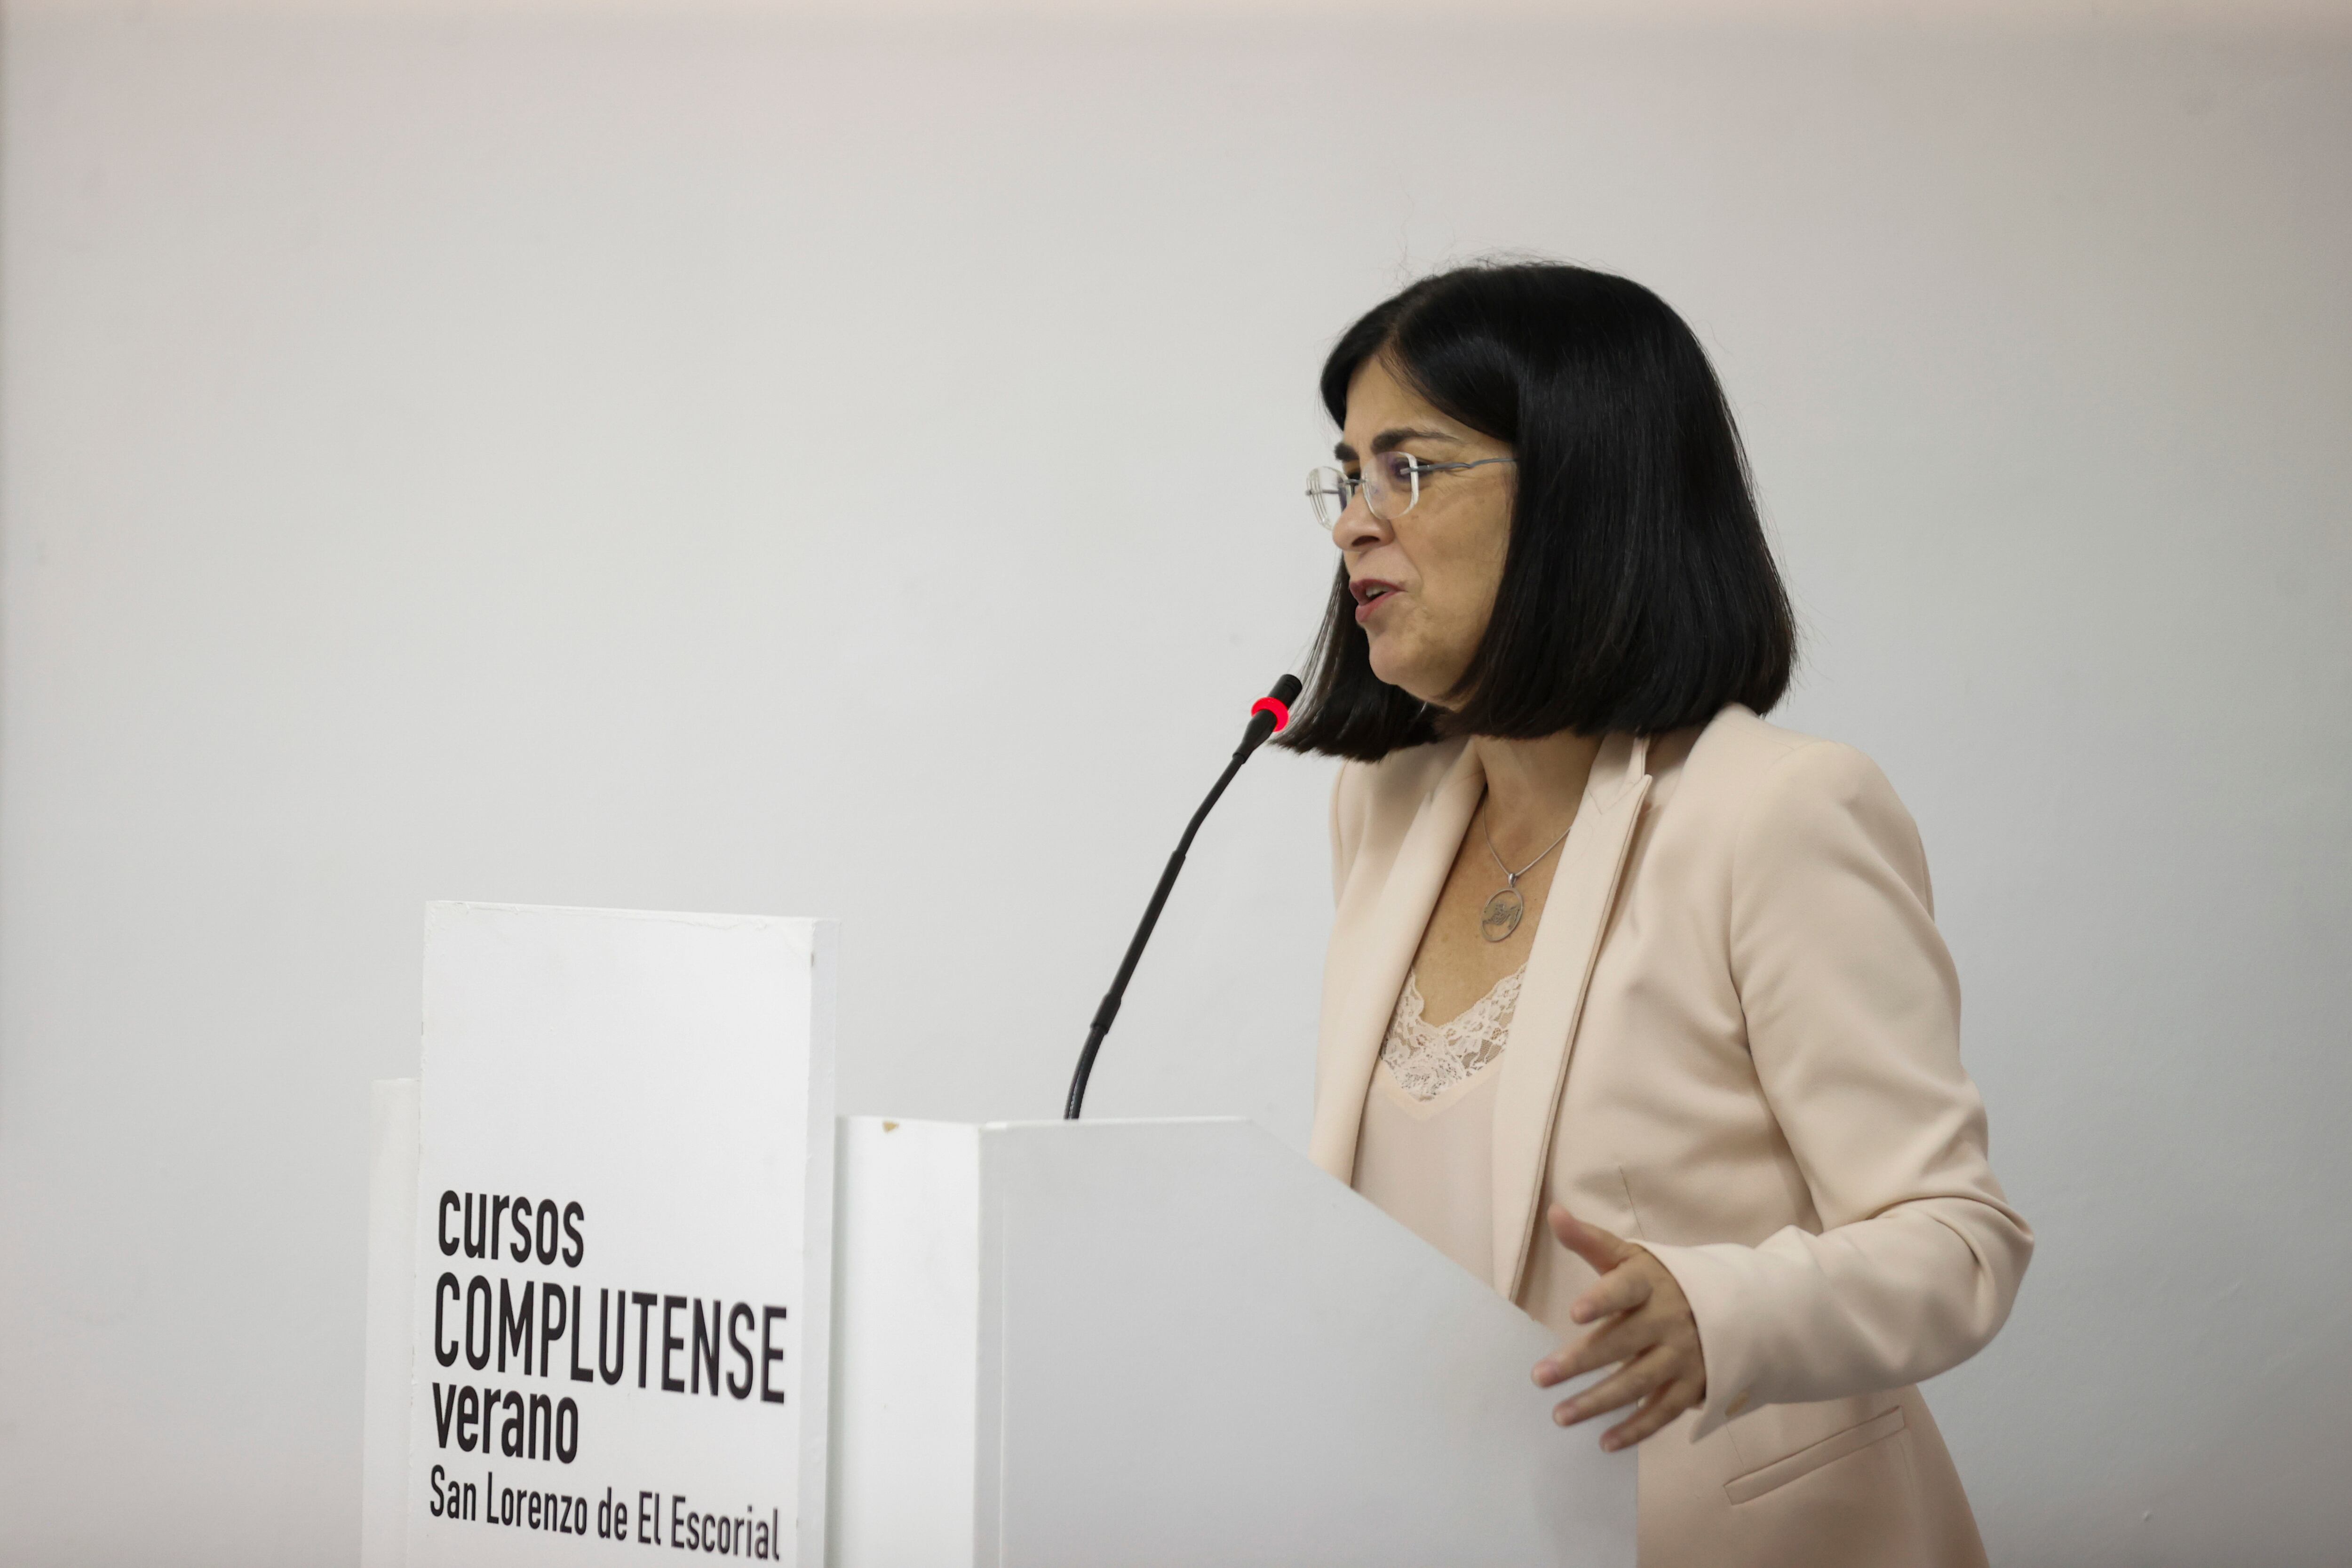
(1369, 594)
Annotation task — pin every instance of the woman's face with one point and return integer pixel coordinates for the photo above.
(1425, 582)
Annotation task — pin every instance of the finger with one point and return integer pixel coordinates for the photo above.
(1633, 1380)
(1665, 1402)
(1621, 1340)
(1590, 1242)
(1620, 1290)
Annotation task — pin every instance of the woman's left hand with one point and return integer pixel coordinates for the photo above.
(1649, 1328)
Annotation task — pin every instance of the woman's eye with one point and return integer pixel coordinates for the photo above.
(1396, 467)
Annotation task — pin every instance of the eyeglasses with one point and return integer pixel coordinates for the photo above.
(1391, 485)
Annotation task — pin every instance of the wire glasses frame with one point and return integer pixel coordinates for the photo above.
(1391, 485)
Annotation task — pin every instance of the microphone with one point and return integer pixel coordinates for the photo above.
(1267, 715)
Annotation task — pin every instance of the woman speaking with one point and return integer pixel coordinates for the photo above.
(1636, 1004)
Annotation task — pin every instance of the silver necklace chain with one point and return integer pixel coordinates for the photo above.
(1487, 827)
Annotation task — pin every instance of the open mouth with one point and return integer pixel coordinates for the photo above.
(1370, 590)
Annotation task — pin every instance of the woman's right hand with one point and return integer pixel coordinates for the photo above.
(1646, 1330)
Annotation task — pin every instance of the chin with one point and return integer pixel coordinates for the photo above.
(1405, 674)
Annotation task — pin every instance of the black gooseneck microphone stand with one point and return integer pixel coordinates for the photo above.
(1268, 715)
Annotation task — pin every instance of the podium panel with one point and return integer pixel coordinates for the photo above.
(1066, 1345)
(601, 1244)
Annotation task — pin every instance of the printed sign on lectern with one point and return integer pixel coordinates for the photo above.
(621, 1238)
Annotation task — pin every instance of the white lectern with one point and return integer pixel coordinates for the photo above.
(1019, 1345)
(1145, 1343)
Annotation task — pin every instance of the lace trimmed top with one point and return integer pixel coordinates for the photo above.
(1425, 1150)
(1428, 1058)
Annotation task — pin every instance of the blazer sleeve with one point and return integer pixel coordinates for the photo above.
(1852, 1015)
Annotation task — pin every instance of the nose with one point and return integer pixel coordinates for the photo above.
(1358, 529)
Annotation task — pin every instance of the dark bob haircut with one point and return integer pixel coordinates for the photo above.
(1638, 592)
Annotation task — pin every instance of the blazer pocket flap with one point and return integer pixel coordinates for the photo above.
(1836, 1446)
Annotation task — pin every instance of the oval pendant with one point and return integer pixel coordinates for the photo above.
(1502, 914)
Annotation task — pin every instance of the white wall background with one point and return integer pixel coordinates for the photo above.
(715, 460)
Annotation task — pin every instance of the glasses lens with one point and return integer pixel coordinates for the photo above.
(1391, 485)
(1328, 489)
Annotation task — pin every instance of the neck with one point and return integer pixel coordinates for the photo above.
(1533, 786)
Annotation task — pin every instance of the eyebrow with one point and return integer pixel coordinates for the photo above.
(1389, 440)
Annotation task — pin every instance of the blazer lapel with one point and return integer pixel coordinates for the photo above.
(1360, 1000)
(1551, 998)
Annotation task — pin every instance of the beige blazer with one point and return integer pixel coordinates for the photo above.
(1738, 1043)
